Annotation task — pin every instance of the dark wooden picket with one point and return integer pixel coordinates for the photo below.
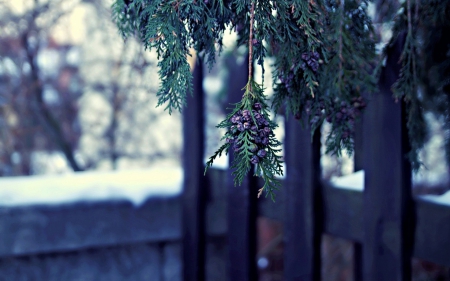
(303, 219)
(357, 166)
(194, 187)
(387, 194)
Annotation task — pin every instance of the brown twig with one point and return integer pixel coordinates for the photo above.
(250, 44)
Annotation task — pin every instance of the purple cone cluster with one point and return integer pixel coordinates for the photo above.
(347, 112)
(311, 60)
(260, 130)
(287, 80)
(343, 112)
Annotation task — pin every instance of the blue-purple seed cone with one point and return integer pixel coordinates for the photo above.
(261, 153)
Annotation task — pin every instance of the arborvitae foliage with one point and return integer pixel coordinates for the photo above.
(425, 74)
(324, 62)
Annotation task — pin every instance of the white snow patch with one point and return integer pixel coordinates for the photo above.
(133, 185)
(353, 181)
(443, 199)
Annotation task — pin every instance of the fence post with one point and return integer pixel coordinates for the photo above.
(358, 165)
(241, 203)
(303, 222)
(387, 246)
(194, 192)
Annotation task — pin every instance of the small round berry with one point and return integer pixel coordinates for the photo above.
(253, 147)
(261, 153)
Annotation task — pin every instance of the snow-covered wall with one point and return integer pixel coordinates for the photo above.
(99, 226)
(132, 185)
(355, 181)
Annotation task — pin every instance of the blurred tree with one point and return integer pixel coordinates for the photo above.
(65, 87)
(39, 106)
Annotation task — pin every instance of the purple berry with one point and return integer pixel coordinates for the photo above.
(265, 141)
(257, 106)
(254, 159)
(261, 153)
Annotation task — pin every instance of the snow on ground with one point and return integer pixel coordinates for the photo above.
(133, 185)
(355, 181)
(443, 199)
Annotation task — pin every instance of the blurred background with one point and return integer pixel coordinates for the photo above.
(74, 96)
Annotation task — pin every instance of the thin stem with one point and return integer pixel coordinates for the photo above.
(341, 43)
(250, 45)
(410, 35)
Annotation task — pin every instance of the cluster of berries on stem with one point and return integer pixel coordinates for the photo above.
(347, 113)
(255, 122)
(311, 60)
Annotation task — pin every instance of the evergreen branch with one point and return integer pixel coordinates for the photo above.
(218, 153)
(323, 51)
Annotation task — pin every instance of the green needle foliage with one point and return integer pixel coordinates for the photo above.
(324, 63)
(250, 135)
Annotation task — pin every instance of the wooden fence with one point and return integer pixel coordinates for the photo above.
(387, 225)
(209, 233)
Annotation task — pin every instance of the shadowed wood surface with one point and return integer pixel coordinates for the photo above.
(194, 189)
(303, 221)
